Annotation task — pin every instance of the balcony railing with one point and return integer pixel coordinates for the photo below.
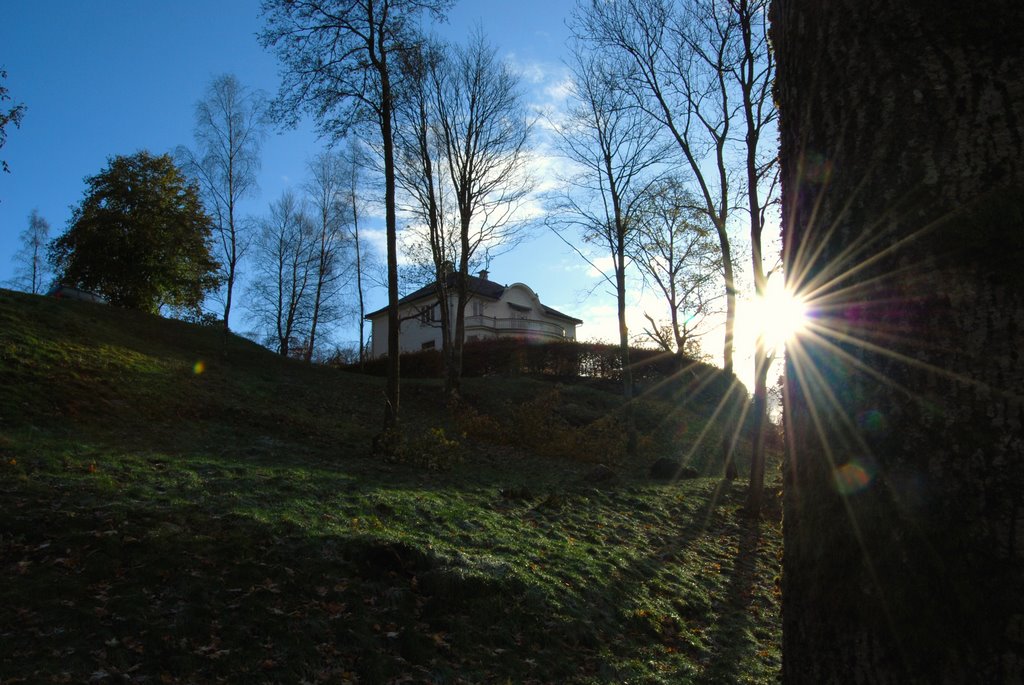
(523, 326)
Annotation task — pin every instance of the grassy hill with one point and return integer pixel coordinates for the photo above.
(178, 507)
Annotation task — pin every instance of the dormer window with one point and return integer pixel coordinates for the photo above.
(519, 311)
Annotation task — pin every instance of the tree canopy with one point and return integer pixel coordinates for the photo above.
(12, 115)
(140, 237)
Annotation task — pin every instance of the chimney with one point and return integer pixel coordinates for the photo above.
(483, 274)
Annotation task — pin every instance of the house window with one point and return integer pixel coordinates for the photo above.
(428, 315)
(519, 311)
(478, 309)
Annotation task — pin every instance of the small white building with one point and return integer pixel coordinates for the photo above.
(493, 311)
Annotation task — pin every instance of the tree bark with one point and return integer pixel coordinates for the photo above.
(391, 408)
(903, 210)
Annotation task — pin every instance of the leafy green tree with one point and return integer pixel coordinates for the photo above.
(140, 238)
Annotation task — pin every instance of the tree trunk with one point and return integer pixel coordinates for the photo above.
(391, 220)
(903, 210)
(453, 381)
(753, 123)
(627, 364)
(729, 420)
(759, 416)
(359, 264)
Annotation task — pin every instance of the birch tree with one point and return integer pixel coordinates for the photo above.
(703, 70)
(465, 157)
(230, 125)
(484, 131)
(32, 272)
(328, 194)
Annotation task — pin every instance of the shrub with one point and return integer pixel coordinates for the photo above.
(432, 450)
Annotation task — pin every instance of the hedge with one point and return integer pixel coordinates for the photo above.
(654, 371)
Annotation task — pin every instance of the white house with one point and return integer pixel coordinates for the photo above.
(493, 311)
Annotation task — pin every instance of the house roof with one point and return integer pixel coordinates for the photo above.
(477, 286)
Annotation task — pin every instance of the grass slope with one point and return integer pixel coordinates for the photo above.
(161, 525)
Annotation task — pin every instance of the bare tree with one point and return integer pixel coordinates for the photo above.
(752, 70)
(483, 130)
(433, 235)
(32, 271)
(329, 197)
(703, 70)
(615, 148)
(678, 255)
(229, 131)
(355, 162)
(686, 93)
(338, 65)
(285, 261)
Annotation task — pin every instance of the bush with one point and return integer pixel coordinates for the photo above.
(432, 449)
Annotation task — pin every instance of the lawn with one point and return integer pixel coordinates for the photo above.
(165, 522)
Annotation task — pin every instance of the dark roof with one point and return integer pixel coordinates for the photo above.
(554, 312)
(477, 286)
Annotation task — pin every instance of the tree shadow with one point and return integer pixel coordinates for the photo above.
(733, 642)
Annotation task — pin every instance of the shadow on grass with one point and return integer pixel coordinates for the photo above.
(735, 644)
(108, 591)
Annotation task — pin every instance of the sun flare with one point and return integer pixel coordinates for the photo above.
(780, 315)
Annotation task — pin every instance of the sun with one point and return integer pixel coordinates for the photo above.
(780, 314)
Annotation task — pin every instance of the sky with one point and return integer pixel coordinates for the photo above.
(112, 77)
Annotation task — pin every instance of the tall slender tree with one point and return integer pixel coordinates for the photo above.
(703, 69)
(678, 256)
(617, 152)
(752, 72)
(355, 162)
(903, 202)
(421, 174)
(32, 271)
(326, 189)
(285, 263)
(229, 131)
(686, 93)
(339, 65)
(484, 131)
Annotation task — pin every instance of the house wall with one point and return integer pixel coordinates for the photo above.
(415, 333)
(523, 296)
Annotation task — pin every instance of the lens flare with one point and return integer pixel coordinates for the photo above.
(199, 367)
(854, 476)
(871, 421)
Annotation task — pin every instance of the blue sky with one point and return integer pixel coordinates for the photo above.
(109, 77)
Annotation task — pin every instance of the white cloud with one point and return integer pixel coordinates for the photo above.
(560, 90)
